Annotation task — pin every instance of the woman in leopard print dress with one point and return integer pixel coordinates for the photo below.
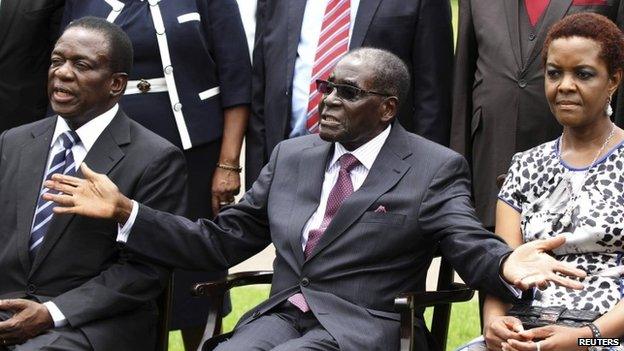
(571, 186)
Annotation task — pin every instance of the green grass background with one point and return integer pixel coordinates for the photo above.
(464, 316)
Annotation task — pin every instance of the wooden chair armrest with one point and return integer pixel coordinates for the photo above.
(219, 287)
(216, 290)
(457, 293)
(407, 304)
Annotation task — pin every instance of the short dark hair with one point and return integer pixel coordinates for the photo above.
(390, 74)
(591, 26)
(119, 44)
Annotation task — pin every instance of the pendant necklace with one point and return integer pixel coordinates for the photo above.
(566, 218)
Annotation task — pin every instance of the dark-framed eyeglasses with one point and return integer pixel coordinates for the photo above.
(344, 91)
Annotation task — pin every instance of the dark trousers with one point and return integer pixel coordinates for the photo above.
(282, 329)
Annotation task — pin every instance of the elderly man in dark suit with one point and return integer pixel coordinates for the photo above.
(298, 41)
(28, 30)
(65, 283)
(499, 105)
(355, 214)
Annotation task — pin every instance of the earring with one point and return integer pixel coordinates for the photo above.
(608, 109)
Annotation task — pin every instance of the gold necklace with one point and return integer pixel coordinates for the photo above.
(566, 217)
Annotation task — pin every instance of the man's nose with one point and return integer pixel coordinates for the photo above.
(63, 71)
(331, 98)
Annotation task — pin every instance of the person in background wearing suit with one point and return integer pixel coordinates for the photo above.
(355, 213)
(191, 85)
(28, 30)
(499, 107)
(66, 283)
(300, 41)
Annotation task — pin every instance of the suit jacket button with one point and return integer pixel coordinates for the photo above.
(177, 107)
(531, 37)
(31, 288)
(522, 83)
(305, 282)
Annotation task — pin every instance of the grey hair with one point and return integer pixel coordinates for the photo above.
(390, 74)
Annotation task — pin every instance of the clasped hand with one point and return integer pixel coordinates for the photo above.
(29, 319)
(506, 333)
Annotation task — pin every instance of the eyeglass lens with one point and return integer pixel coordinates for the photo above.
(344, 92)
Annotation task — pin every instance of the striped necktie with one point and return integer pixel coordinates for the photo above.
(62, 162)
(341, 190)
(333, 43)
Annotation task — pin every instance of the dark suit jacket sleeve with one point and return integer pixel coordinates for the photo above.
(432, 57)
(465, 66)
(255, 137)
(229, 49)
(131, 282)
(238, 232)
(447, 213)
(619, 110)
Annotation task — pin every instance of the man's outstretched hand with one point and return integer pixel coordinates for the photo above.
(530, 265)
(94, 196)
(29, 319)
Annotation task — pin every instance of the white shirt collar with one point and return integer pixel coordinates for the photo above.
(366, 153)
(88, 132)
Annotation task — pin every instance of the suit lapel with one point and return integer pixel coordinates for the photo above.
(554, 12)
(33, 158)
(365, 13)
(311, 172)
(296, 9)
(8, 12)
(513, 26)
(102, 157)
(387, 170)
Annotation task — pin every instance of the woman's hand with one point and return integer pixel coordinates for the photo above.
(500, 329)
(225, 185)
(550, 338)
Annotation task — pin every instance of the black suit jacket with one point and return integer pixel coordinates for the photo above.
(100, 288)
(365, 258)
(418, 31)
(499, 105)
(28, 30)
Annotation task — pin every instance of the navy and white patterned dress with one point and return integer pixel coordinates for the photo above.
(536, 186)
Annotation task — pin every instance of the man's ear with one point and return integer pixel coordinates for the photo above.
(389, 109)
(118, 84)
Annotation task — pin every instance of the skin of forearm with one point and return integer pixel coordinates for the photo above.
(611, 324)
(493, 307)
(234, 127)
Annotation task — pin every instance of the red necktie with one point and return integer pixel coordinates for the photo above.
(341, 190)
(333, 43)
(535, 9)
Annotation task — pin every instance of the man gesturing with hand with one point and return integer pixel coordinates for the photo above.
(362, 204)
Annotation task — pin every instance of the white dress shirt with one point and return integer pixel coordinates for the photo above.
(366, 154)
(88, 133)
(306, 53)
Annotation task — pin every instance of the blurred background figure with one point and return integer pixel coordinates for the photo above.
(299, 41)
(570, 186)
(499, 106)
(28, 30)
(190, 85)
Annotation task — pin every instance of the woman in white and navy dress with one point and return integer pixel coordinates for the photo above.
(191, 85)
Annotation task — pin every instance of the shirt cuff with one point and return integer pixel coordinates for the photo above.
(123, 232)
(512, 288)
(57, 316)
